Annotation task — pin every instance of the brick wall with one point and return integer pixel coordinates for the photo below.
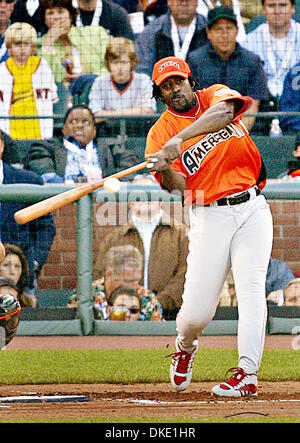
(60, 271)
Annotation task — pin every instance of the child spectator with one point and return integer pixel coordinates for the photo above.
(27, 86)
(122, 91)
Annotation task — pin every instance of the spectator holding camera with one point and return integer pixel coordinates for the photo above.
(122, 266)
(10, 309)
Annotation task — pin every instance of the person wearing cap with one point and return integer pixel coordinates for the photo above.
(200, 147)
(204, 6)
(224, 60)
(176, 33)
(10, 309)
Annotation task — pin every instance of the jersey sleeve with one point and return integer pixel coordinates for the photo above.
(220, 93)
(158, 135)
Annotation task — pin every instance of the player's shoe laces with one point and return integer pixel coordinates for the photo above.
(181, 367)
(240, 384)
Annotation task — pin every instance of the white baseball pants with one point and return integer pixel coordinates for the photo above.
(222, 237)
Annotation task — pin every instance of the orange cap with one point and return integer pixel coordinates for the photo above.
(169, 66)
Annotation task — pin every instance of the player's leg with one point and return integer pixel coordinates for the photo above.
(207, 266)
(250, 253)
(249, 269)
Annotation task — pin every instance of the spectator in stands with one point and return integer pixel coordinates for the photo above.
(15, 267)
(277, 42)
(9, 311)
(293, 166)
(255, 12)
(178, 32)
(27, 86)
(81, 156)
(151, 8)
(34, 238)
(292, 293)
(225, 61)
(122, 91)
(154, 8)
(278, 276)
(131, 6)
(128, 304)
(6, 10)
(164, 245)
(290, 101)
(28, 11)
(124, 304)
(105, 13)
(249, 10)
(71, 51)
(122, 266)
(204, 6)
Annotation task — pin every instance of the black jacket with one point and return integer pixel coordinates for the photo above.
(113, 18)
(155, 42)
(34, 238)
(113, 158)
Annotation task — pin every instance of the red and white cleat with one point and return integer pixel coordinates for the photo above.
(240, 384)
(181, 367)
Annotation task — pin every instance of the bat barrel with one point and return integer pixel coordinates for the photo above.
(58, 201)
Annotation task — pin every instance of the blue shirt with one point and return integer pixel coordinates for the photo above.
(256, 41)
(243, 71)
(278, 275)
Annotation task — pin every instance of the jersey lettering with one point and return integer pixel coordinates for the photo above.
(226, 91)
(194, 155)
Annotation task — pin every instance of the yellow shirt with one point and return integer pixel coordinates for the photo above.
(23, 100)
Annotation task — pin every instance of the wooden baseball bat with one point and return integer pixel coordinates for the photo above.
(58, 201)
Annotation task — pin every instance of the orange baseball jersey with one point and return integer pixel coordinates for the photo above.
(220, 163)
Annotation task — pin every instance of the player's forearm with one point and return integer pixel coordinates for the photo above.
(212, 120)
(250, 120)
(172, 181)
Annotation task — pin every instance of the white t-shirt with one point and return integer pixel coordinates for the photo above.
(104, 96)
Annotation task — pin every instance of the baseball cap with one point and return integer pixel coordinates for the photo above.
(168, 67)
(220, 12)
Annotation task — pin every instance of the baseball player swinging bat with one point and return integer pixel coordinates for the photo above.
(58, 201)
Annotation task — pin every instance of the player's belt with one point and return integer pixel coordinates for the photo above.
(236, 199)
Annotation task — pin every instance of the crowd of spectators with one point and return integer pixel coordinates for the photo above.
(54, 53)
(252, 47)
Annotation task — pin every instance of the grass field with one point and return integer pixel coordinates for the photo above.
(137, 366)
(132, 366)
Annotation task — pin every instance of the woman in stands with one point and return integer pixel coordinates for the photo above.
(15, 268)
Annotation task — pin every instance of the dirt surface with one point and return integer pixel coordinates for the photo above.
(151, 400)
(146, 400)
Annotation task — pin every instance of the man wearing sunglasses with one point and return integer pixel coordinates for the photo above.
(6, 10)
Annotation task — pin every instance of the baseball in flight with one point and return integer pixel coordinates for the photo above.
(112, 185)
